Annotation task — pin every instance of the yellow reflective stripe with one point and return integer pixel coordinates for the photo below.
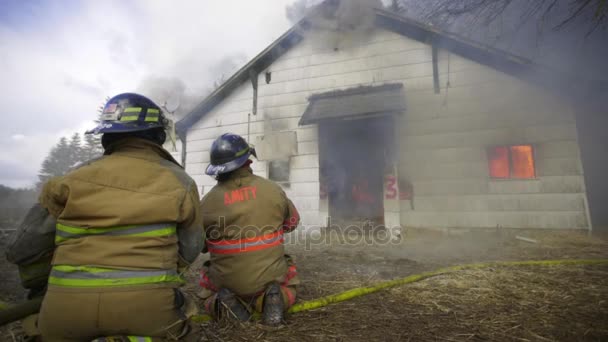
(64, 232)
(242, 152)
(114, 282)
(139, 339)
(152, 115)
(156, 233)
(132, 110)
(76, 230)
(129, 118)
(90, 276)
(88, 269)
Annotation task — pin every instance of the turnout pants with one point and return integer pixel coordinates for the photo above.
(253, 302)
(72, 315)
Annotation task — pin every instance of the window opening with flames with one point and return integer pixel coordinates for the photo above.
(512, 162)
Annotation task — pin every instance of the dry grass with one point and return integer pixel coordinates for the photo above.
(566, 303)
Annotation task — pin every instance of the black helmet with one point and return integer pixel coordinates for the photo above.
(129, 112)
(228, 153)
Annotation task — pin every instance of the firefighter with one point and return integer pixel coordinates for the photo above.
(245, 217)
(121, 229)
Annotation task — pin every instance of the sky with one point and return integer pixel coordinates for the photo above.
(59, 60)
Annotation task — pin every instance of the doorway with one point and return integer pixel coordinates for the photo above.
(354, 155)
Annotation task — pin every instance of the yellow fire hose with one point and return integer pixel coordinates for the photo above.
(361, 291)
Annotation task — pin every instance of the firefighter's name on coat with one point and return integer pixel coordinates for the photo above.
(240, 195)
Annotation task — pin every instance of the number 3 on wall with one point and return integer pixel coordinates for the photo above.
(390, 191)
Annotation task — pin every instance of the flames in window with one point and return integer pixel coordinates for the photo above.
(515, 162)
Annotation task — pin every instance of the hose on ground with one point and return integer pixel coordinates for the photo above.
(361, 291)
(10, 314)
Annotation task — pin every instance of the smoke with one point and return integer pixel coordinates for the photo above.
(172, 93)
(299, 9)
(336, 24)
(225, 67)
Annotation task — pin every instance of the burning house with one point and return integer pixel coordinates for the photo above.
(400, 124)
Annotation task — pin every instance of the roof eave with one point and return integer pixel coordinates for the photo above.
(259, 63)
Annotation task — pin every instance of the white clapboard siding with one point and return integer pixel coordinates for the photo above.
(442, 138)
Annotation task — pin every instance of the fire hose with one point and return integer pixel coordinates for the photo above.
(21, 311)
(362, 291)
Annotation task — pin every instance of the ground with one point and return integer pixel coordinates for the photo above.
(531, 303)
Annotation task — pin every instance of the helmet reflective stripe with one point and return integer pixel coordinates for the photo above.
(242, 152)
(64, 232)
(129, 112)
(228, 153)
(88, 276)
(152, 115)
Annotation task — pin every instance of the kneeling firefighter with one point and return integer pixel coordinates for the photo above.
(245, 217)
(120, 230)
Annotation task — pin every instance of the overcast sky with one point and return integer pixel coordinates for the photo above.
(59, 59)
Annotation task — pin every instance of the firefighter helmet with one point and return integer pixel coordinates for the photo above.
(228, 153)
(129, 112)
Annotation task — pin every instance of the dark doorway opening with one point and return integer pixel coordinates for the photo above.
(353, 157)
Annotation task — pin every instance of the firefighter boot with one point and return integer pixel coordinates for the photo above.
(228, 305)
(273, 308)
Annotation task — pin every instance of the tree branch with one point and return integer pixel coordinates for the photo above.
(573, 15)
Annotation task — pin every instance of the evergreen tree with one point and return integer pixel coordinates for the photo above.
(66, 155)
(76, 150)
(57, 163)
(92, 143)
(92, 147)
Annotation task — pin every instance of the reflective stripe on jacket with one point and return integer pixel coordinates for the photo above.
(130, 218)
(87, 276)
(245, 218)
(65, 233)
(246, 245)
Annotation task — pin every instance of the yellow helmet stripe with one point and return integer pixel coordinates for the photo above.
(130, 118)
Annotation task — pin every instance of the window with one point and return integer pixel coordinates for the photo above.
(278, 171)
(511, 162)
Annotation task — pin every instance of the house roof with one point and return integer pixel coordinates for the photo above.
(483, 54)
